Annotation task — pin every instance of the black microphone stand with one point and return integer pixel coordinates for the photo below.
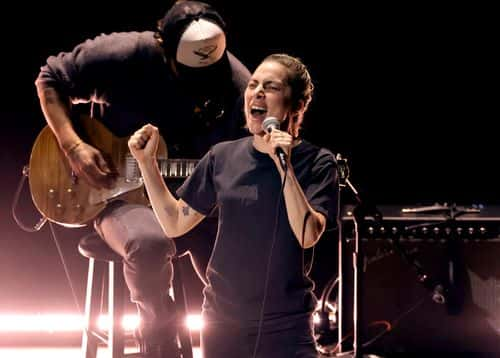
(360, 211)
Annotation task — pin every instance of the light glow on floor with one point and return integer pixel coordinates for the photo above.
(44, 352)
(50, 323)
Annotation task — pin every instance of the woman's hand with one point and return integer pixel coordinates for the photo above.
(143, 144)
(277, 138)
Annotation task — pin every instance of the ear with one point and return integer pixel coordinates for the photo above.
(301, 106)
(299, 110)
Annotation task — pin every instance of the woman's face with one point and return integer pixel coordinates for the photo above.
(267, 95)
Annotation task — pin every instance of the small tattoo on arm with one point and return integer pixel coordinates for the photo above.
(185, 210)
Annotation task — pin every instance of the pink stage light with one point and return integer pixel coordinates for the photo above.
(50, 323)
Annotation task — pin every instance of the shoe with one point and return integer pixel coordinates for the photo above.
(158, 339)
(167, 347)
(170, 350)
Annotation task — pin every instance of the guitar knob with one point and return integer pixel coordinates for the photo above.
(59, 208)
(71, 193)
(52, 193)
(78, 210)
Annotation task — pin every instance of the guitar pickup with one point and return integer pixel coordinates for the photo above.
(122, 186)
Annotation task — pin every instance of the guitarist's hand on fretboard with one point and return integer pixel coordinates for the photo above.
(89, 164)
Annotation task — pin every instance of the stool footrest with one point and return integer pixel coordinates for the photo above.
(103, 337)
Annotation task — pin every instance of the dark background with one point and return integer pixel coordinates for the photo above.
(408, 93)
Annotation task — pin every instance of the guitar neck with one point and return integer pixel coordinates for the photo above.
(177, 168)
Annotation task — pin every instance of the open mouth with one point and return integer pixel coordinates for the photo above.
(258, 111)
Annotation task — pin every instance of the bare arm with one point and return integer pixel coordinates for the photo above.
(176, 217)
(86, 161)
(297, 205)
(56, 111)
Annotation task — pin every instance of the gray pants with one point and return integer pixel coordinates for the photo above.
(134, 233)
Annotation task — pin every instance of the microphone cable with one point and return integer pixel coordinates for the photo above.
(17, 194)
(305, 271)
(268, 268)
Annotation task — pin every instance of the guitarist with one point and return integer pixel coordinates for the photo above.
(182, 79)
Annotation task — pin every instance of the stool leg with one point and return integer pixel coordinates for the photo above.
(89, 341)
(183, 332)
(116, 294)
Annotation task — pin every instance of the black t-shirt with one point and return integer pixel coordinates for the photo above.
(245, 184)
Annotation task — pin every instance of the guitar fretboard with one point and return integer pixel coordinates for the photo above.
(177, 168)
(169, 168)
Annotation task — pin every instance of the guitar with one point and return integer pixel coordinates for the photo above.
(69, 201)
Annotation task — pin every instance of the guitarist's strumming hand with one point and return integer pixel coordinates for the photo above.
(89, 164)
(143, 144)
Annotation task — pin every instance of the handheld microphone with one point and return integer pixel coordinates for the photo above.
(267, 125)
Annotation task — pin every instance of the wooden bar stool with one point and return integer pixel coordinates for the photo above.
(101, 257)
